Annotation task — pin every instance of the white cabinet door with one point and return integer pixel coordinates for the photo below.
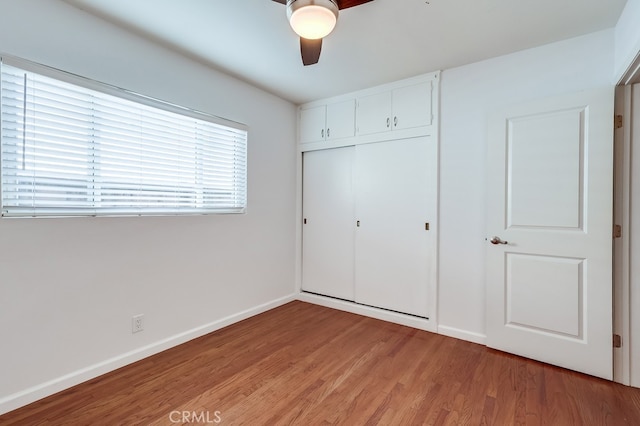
(395, 188)
(341, 120)
(312, 124)
(402, 108)
(550, 180)
(329, 223)
(412, 106)
(374, 114)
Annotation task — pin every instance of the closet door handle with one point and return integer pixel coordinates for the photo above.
(388, 122)
(358, 223)
(322, 133)
(395, 121)
(328, 133)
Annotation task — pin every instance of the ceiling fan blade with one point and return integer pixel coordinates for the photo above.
(345, 4)
(310, 50)
(342, 4)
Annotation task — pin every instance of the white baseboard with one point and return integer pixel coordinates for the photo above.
(457, 333)
(43, 390)
(398, 318)
(381, 314)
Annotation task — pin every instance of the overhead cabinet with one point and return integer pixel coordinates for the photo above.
(401, 108)
(327, 122)
(370, 115)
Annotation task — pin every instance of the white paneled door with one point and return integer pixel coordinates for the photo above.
(549, 231)
(328, 216)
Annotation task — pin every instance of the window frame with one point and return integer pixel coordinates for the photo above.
(131, 96)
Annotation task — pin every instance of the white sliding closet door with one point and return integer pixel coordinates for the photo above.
(329, 223)
(395, 190)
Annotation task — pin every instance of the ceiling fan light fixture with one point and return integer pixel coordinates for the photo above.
(312, 19)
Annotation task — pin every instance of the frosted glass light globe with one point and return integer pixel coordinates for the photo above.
(312, 19)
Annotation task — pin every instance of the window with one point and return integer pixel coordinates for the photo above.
(70, 150)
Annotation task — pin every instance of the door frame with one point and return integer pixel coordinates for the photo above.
(621, 245)
(623, 301)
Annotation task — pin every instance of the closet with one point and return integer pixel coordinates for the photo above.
(369, 213)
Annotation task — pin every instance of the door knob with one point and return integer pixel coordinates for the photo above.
(497, 240)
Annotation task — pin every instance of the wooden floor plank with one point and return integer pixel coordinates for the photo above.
(302, 364)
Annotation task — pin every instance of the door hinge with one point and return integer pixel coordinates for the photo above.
(617, 341)
(617, 231)
(618, 121)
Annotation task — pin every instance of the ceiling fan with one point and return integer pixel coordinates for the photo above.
(314, 19)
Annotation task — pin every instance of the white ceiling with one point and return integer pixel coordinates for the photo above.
(375, 43)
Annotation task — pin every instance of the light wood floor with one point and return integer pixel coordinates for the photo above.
(309, 365)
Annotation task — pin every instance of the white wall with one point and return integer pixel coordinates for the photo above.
(468, 95)
(627, 38)
(68, 287)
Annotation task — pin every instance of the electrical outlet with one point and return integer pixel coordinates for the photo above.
(137, 323)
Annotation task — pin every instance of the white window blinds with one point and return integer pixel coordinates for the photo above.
(69, 150)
